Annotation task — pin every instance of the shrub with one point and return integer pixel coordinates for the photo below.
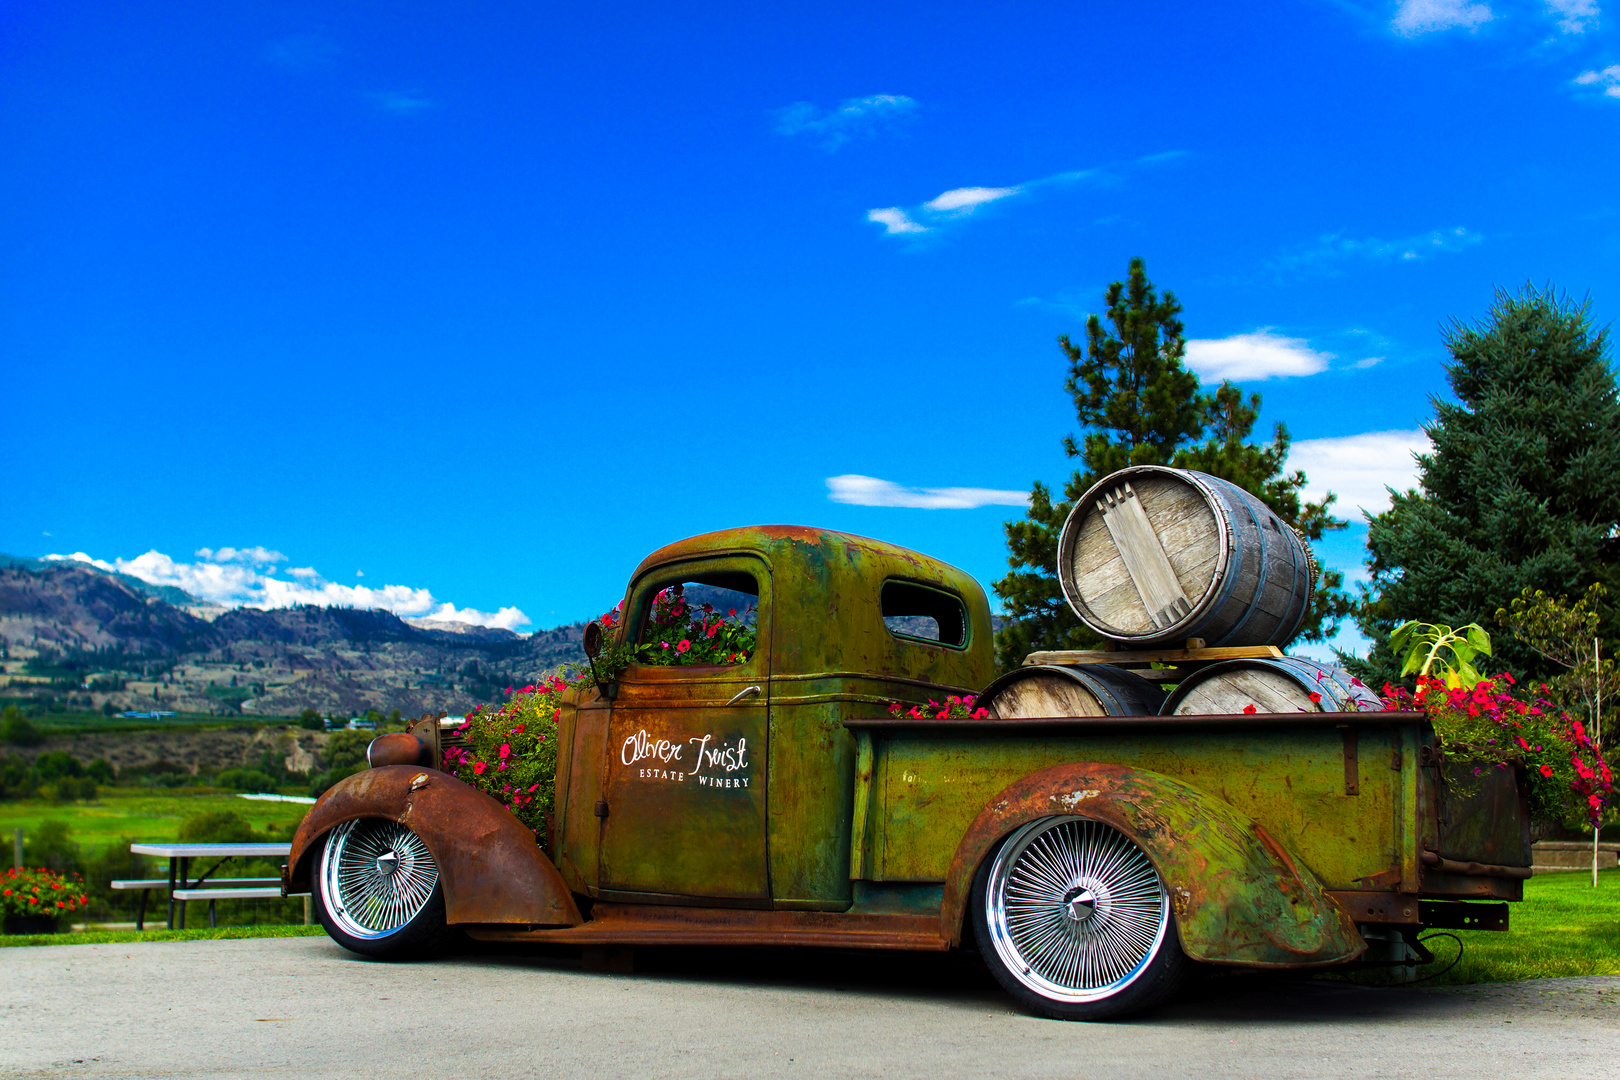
(52, 846)
(244, 780)
(216, 827)
(346, 748)
(16, 730)
(56, 764)
(41, 892)
(16, 777)
(323, 781)
(100, 770)
(74, 788)
(311, 720)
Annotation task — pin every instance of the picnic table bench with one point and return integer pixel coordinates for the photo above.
(181, 886)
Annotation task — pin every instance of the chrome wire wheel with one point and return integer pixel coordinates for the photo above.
(1075, 910)
(377, 876)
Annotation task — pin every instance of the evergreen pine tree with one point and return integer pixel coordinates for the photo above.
(1139, 405)
(1521, 489)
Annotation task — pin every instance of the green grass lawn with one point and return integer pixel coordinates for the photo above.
(74, 723)
(1563, 927)
(116, 937)
(152, 815)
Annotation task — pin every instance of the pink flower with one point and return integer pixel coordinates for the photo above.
(683, 646)
(479, 767)
(506, 750)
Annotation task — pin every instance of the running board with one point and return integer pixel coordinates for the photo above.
(646, 924)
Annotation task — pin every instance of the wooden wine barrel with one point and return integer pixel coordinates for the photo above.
(1276, 684)
(1064, 690)
(1153, 556)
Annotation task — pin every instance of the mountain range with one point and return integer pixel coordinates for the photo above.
(82, 637)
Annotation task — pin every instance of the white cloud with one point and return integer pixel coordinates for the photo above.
(231, 577)
(253, 556)
(967, 198)
(855, 116)
(1607, 80)
(1358, 467)
(1574, 16)
(1414, 17)
(859, 490)
(894, 220)
(1260, 355)
(962, 201)
(1336, 247)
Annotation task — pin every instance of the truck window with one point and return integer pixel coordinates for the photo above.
(922, 613)
(709, 620)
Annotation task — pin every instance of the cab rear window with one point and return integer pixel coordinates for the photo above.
(916, 612)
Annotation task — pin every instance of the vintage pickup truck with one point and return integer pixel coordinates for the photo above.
(1090, 860)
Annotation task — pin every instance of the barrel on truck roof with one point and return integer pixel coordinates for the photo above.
(1154, 556)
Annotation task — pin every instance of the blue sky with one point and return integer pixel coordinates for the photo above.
(411, 306)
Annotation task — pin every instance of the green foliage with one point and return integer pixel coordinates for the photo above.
(1520, 491)
(216, 827)
(51, 845)
(1566, 633)
(56, 764)
(16, 730)
(1445, 653)
(244, 780)
(310, 720)
(100, 770)
(346, 749)
(1139, 405)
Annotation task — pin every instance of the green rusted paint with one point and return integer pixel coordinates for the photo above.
(824, 655)
(1239, 896)
(927, 787)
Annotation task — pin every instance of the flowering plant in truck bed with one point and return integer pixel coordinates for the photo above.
(1487, 727)
(952, 708)
(40, 892)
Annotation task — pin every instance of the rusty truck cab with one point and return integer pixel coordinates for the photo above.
(732, 785)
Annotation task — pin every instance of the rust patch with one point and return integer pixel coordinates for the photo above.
(491, 868)
(1238, 895)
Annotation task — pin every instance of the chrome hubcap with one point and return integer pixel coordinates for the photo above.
(1076, 911)
(377, 876)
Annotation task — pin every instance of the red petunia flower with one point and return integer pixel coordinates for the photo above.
(1250, 709)
(479, 767)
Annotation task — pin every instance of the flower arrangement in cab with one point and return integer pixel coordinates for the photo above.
(952, 708)
(679, 634)
(25, 891)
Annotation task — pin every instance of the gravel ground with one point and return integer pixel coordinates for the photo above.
(304, 1007)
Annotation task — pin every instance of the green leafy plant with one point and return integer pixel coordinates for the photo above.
(510, 753)
(1430, 649)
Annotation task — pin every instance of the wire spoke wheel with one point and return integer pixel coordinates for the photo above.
(377, 876)
(1074, 910)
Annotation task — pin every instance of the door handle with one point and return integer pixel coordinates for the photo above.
(747, 691)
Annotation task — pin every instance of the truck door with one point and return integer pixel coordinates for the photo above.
(685, 769)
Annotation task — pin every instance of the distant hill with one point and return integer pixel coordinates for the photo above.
(172, 594)
(84, 638)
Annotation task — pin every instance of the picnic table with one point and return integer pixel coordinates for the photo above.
(182, 886)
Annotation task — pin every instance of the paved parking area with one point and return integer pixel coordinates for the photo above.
(304, 1007)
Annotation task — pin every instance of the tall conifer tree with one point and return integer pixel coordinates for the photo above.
(1522, 486)
(1139, 405)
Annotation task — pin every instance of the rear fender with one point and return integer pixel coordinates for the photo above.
(490, 866)
(1239, 897)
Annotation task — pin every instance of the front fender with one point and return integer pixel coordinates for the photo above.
(490, 866)
(1238, 896)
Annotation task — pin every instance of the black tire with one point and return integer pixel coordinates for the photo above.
(393, 915)
(1074, 921)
